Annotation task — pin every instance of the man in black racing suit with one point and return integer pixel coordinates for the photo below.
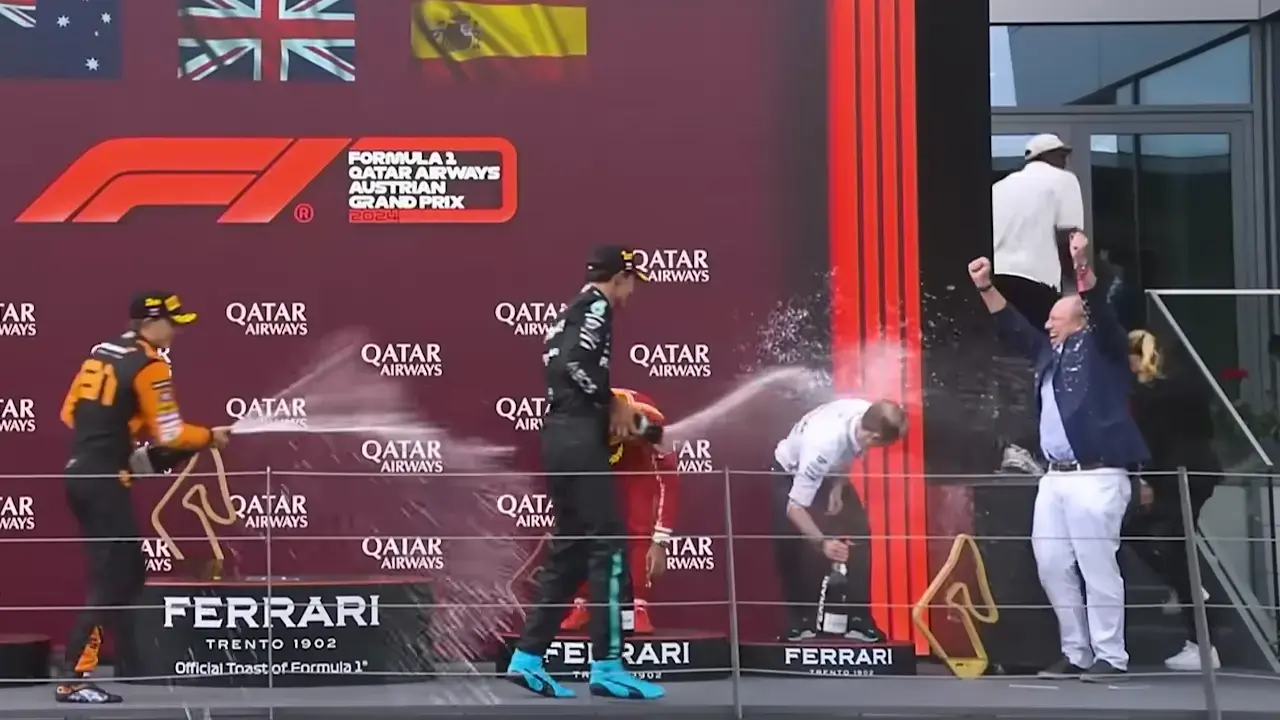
(589, 542)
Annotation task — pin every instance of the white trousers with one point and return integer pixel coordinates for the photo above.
(1075, 534)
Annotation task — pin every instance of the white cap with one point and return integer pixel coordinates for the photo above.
(1042, 144)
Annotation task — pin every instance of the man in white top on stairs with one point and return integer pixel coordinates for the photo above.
(812, 463)
(1033, 211)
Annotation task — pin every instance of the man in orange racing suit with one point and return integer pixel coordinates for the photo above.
(650, 485)
(123, 393)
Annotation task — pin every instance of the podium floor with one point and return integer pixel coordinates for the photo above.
(776, 698)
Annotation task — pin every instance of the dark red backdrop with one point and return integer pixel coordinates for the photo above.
(700, 126)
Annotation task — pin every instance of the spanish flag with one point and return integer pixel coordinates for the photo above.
(499, 39)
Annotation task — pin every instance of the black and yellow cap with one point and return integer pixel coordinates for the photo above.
(609, 260)
(156, 304)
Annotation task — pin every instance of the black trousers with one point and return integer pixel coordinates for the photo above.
(117, 568)
(802, 567)
(1158, 537)
(1034, 300)
(589, 542)
(1018, 423)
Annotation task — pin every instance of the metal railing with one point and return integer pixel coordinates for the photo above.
(1243, 446)
(469, 594)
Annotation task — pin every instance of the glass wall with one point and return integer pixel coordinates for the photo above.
(1050, 66)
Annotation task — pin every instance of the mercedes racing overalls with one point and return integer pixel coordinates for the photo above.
(588, 543)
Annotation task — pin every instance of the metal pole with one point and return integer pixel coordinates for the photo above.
(1210, 292)
(735, 660)
(1270, 547)
(1208, 675)
(271, 660)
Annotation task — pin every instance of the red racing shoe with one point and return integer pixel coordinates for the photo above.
(643, 625)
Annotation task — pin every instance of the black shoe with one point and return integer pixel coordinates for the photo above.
(864, 631)
(1064, 669)
(1103, 672)
(83, 693)
(799, 633)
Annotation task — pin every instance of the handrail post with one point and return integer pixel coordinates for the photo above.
(735, 660)
(271, 660)
(1208, 675)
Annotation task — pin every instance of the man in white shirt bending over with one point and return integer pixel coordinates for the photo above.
(1033, 211)
(812, 464)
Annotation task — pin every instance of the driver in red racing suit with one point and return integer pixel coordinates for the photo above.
(650, 485)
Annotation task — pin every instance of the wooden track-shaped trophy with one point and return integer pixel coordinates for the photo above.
(196, 499)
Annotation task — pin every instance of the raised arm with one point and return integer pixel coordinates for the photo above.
(1014, 329)
(1113, 341)
(158, 407)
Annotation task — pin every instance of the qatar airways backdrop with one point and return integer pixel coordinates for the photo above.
(357, 178)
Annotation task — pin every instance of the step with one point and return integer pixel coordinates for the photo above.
(24, 657)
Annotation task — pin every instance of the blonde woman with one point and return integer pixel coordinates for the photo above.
(1173, 414)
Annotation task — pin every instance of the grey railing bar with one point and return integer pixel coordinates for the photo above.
(1206, 292)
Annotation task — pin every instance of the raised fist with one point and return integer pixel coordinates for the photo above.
(980, 272)
(1079, 246)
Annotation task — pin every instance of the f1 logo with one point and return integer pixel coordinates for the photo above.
(255, 178)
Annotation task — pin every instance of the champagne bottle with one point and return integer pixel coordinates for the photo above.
(153, 460)
(833, 618)
(650, 431)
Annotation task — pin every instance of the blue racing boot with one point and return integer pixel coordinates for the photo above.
(525, 670)
(610, 679)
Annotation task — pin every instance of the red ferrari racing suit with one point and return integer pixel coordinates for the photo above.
(650, 489)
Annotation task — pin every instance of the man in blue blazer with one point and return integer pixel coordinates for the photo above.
(1090, 441)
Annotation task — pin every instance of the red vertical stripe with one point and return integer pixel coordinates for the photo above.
(842, 186)
(871, 479)
(917, 517)
(890, 139)
(875, 275)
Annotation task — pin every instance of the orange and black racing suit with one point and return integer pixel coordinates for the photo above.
(122, 394)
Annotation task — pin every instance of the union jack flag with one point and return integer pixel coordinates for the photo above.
(21, 12)
(272, 40)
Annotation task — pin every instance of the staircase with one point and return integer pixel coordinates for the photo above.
(1151, 634)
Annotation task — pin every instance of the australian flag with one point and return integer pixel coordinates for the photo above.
(267, 40)
(77, 39)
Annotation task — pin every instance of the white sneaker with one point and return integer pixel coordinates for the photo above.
(1188, 659)
(1173, 607)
